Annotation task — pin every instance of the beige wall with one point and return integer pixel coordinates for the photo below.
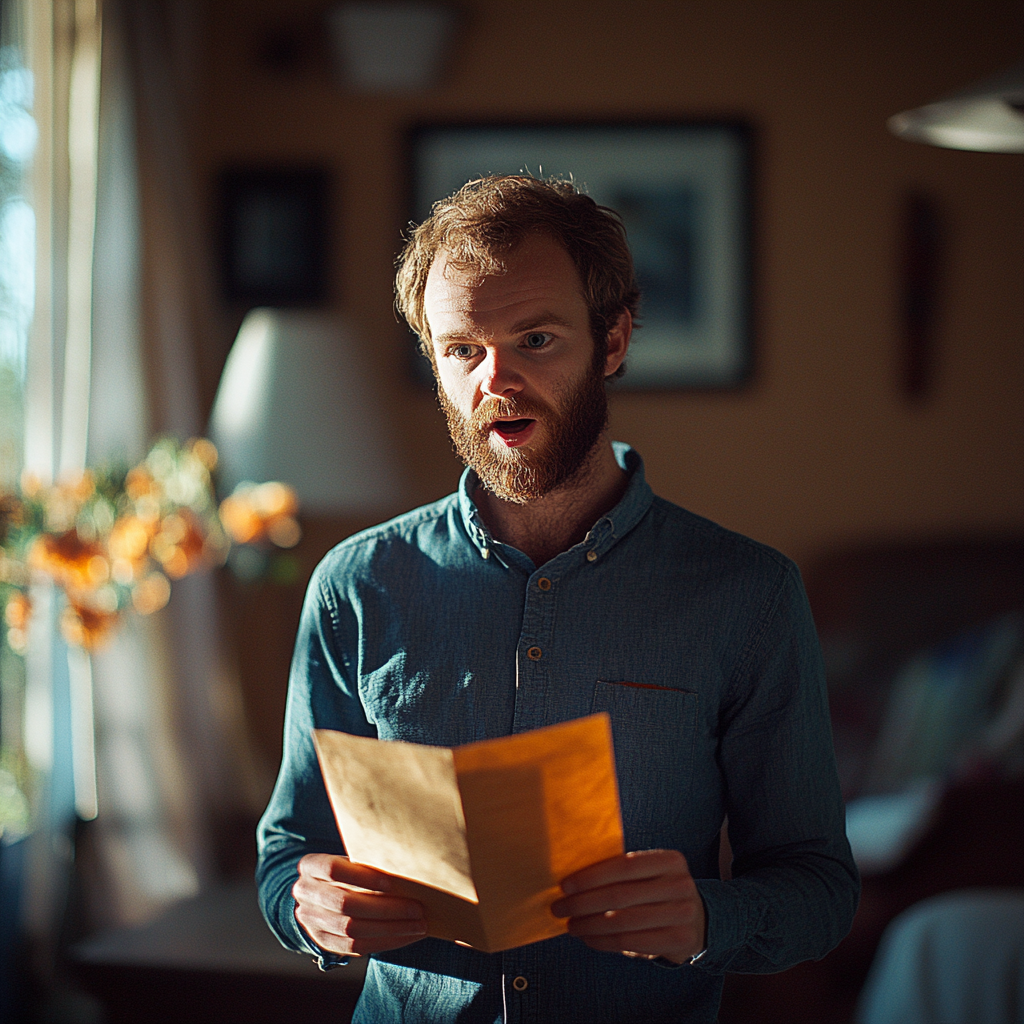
(821, 447)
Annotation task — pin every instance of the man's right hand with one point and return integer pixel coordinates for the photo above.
(345, 907)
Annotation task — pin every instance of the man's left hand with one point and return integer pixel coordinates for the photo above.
(640, 904)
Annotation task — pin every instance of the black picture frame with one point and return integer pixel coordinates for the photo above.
(274, 235)
(684, 190)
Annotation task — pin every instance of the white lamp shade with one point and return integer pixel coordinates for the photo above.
(987, 117)
(296, 405)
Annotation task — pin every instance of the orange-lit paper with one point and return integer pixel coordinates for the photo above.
(482, 834)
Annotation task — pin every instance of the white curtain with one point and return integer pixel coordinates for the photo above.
(168, 756)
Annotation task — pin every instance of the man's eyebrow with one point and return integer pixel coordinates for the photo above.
(452, 336)
(541, 320)
(530, 323)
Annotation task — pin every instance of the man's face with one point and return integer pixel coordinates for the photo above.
(516, 368)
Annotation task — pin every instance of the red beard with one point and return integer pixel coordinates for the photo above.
(524, 474)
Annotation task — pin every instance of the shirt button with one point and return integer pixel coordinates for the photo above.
(519, 983)
(591, 556)
(544, 583)
(534, 653)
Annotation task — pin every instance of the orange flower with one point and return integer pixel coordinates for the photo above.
(87, 627)
(128, 545)
(265, 510)
(17, 639)
(75, 564)
(205, 451)
(151, 594)
(273, 500)
(285, 532)
(17, 615)
(31, 485)
(18, 612)
(240, 519)
(81, 487)
(139, 482)
(180, 546)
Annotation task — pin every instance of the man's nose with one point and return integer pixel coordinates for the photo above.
(501, 379)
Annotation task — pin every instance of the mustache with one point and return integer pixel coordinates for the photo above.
(506, 408)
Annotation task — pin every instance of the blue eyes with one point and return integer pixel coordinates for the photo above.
(534, 340)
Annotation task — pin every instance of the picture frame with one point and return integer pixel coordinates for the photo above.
(274, 225)
(684, 192)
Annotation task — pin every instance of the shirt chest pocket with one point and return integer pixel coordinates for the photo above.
(654, 730)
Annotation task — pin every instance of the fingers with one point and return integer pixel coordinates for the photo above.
(338, 886)
(362, 936)
(632, 879)
(638, 864)
(639, 918)
(333, 898)
(642, 904)
(648, 891)
(342, 908)
(672, 930)
(330, 867)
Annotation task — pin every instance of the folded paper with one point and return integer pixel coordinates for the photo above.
(481, 834)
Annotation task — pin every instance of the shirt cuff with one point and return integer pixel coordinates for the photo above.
(728, 924)
(671, 965)
(326, 960)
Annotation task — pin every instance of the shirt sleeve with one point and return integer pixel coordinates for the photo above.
(795, 887)
(299, 820)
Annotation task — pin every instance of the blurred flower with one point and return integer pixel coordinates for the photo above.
(180, 545)
(205, 451)
(152, 593)
(74, 564)
(30, 485)
(113, 540)
(18, 611)
(255, 511)
(87, 627)
(17, 615)
(128, 545)
(139, 483)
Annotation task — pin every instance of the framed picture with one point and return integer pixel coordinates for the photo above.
(684, 193)
(274, 235)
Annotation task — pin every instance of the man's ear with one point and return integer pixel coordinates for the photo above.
(618, 342)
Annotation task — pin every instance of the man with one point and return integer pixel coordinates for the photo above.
(553, 584)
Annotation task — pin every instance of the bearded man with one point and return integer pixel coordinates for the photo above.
(551, 585)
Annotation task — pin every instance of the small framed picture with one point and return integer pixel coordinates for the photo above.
(274, 235)
(684, 193)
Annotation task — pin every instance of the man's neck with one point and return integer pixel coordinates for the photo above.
(547, 526)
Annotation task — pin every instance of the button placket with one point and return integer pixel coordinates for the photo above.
(533, 652)
(524, 981)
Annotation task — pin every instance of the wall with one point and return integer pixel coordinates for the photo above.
(822, 446)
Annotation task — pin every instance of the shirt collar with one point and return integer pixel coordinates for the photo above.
(610, 528)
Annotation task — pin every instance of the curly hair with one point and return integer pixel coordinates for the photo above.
(487, 219)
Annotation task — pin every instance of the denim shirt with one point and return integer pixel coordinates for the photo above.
(699, 644)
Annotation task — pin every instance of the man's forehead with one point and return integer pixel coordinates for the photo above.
(446, 275)
(539, 268)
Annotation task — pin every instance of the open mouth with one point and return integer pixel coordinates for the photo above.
(513, 432)
(511, 426)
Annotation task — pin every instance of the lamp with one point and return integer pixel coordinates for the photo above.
(391, 46)
(987, 116)
(295, 404)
